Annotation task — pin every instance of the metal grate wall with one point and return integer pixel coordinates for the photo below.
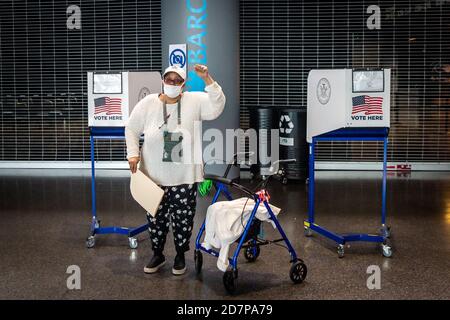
(43, 65)
(282, 40)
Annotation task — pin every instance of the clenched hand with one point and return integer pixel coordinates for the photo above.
(133, 162)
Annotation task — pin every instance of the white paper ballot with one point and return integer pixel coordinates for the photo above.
(147, 193)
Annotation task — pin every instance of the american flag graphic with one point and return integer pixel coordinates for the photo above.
(368, 105)
(108, 105)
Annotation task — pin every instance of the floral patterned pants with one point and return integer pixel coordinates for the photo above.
(177, 208)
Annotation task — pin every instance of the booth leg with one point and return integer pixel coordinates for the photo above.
(383, 204)
(311, 184)
(385, 230)
(311, 187)
(90, 241)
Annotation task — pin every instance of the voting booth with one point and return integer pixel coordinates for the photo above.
(112, 95)
(348, 105)
(347, 98)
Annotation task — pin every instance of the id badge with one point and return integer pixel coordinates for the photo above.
(173, 150)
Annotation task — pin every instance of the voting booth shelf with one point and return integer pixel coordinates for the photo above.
(348, 105)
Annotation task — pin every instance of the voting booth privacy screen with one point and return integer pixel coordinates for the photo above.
(345, 98)
(112, 95)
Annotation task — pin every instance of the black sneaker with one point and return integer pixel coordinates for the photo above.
(179, 265)
(155, 264)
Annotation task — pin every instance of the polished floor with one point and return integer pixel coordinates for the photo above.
(45, 216)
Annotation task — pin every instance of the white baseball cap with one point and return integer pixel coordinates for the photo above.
(178, 70)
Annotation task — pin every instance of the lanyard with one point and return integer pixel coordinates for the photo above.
(178, 111)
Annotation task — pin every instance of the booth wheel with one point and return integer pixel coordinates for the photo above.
(386, 250)
(198, 260)
(308, 232)
(133, 243)
(340, 251)
(251, 253)
(298, 271)
(90, 242)
(230, 281)
(386, 232)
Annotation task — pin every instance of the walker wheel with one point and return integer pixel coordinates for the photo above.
(133, 243)
(230, 281)
(198, 260)
(298, 272)
(251, 253)
(284, 180)
(386, 250)
(340, 251)
(90, 242)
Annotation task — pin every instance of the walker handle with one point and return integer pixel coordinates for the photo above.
(230, 183)
(218, 179)
(234, 163)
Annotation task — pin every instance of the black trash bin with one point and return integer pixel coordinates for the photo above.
(293, 145)
(263, 117)
(291, 123)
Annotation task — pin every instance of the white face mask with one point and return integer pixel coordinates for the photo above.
(172, 91)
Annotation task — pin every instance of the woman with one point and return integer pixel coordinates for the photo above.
(172, 143)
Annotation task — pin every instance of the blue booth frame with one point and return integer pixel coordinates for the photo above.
(349, 134)
(99, 133)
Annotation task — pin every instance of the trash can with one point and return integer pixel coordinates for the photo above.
(263, 117)
(293, 145)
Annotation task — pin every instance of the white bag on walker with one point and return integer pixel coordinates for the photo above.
(225, 223)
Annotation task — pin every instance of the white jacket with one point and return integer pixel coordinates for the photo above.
(147, 118)
(225, 223)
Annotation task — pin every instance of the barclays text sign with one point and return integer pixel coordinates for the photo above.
(196, 33)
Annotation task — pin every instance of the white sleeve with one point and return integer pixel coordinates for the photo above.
(212, 102)
(134, 128)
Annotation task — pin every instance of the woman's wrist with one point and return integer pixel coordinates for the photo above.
(208, 80)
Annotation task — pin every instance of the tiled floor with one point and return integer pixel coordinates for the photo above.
(45, 216)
